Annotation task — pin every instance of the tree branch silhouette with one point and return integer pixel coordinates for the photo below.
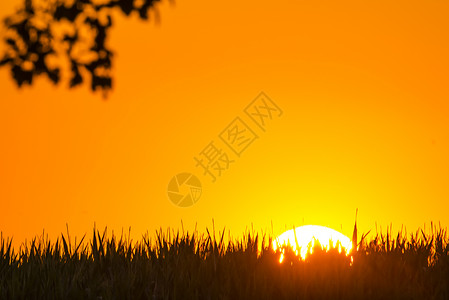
(42, 37)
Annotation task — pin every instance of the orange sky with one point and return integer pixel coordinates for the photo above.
(362, 87)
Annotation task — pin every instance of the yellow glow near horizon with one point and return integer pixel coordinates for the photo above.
(303, 238)
(363, 90)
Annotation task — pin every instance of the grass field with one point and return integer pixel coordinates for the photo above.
(177, 265)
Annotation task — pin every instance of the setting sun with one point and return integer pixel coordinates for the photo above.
(302, 240)
(154, 149)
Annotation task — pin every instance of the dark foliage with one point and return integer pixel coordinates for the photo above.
(41, 36)
(192, 266)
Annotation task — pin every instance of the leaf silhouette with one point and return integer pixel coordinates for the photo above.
(29, 45)
(76, 77)
(68, 13)
(21, 76)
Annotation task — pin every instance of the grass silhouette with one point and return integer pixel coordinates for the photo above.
(175, 265)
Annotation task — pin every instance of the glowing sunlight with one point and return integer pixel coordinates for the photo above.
(306, 236)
